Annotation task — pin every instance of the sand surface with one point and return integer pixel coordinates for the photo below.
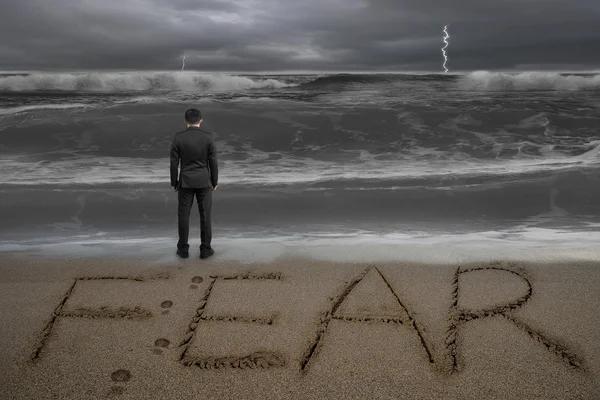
(298, 329)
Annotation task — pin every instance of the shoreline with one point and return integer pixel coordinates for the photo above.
(530, 245)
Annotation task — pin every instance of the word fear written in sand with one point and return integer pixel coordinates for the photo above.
(404, 317)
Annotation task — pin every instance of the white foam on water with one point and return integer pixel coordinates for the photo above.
(257, 169)
(37, 107)
(135, 81)
(533, 244)
(485, 80)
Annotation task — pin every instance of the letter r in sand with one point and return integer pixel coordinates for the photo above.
(460, 316)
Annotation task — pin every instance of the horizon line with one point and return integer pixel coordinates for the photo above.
(296, 72)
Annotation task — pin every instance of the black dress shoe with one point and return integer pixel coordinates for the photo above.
(206, 253)
(183, 253)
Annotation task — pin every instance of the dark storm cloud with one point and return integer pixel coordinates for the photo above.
(298, 34)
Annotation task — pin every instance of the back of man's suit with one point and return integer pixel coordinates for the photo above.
(196, 150)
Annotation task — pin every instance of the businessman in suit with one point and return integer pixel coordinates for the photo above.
(195, 150)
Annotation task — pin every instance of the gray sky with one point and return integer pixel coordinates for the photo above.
(259, 35)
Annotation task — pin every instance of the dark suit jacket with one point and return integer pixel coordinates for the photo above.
(196, 151)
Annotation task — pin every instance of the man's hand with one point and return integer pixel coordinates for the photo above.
(215, 187)
(174, 188)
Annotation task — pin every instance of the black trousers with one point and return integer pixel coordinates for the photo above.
(185, 197)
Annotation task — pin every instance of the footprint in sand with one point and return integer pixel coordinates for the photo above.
(193, 287)
(166, 304)
(121, 375)
(197, 279)
(162, 343)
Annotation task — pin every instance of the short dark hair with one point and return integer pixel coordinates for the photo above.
(193, 116)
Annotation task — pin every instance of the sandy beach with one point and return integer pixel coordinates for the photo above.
(296, 328)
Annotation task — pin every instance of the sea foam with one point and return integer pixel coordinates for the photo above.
(499, 81)
(135, 81)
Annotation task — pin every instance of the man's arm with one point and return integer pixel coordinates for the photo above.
(174, 161)
(212, 162)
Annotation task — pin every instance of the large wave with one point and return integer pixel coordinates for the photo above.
(191, 81)
(347, 78)
(259, 170)
(499, 81)
(135, 81)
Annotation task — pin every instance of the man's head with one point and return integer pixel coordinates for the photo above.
(193, 117)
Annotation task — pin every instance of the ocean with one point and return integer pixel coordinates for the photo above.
(363, 157)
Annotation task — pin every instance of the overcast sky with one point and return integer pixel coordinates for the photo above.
(259, 35)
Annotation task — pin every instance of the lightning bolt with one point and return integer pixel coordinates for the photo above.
(183, 61)
(444, 48)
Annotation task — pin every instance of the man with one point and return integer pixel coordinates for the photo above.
(199, 174)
